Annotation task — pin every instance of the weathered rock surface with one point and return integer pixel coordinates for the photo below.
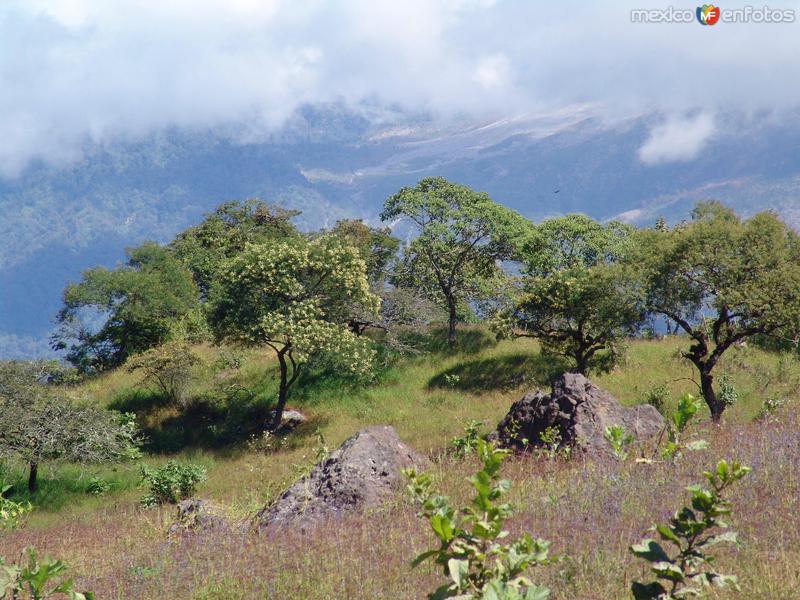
(365, 471)
(290, 420)
(580, 410)
(197, 516)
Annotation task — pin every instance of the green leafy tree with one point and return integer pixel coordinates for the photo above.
(225, 232)
(722, 279)
(377, 246)
(472, 553)
(135, 306)
(691, 533)
(581, 313)
(462, 236)
(572, 241)
(295, 298)
(38, 423)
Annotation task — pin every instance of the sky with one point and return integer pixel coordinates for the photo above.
(77, 72)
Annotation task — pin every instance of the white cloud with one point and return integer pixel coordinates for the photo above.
(679, 138)
(78, 71)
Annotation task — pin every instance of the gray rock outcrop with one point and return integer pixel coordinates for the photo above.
(365, 471)
(580, 411)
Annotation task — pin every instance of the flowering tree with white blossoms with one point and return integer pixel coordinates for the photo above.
(296, 298)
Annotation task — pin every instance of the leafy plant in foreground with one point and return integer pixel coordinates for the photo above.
(171, 483)
(37, 580)
(692, 533)
(619, 440)
(470, 551)
(677, 423)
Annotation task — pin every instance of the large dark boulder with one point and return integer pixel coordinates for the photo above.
(580, 411)
(365, 471)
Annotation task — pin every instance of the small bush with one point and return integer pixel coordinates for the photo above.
(171, 483)
(659, 397)
(471, 555)
(727, 390)
(691, 533)
(98, 486)
(619, 440)
(677, 424)
(468, 442)
(168, 368)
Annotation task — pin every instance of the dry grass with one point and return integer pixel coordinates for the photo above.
(591, 511)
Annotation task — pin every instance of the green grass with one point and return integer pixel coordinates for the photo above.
(112, 543)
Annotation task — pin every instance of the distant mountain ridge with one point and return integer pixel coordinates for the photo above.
(332, 162)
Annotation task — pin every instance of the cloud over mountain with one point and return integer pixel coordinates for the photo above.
(75, 72)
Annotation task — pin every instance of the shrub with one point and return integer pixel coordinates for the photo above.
(470, 552)
(171, 483)
(619, 440)
(692, 532)
(168, 368)
(468, 442)
(727, 390)
(36, 580)
(687, 408)
(98, 486)
(658, 396)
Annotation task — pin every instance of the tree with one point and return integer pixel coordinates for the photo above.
(576, 297)
(377, 246)
(38, 423)
(462, 237)
(296, 299)
(572, 241)
(136, 304)
(582, 313)
(225, 232)
(722, 280)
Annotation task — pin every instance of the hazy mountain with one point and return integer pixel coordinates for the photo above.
(333, 163)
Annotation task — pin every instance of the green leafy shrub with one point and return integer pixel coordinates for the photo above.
(36, 580)
(466, 443)
(769, 407)
(167, 368)
(677, 423)
(692, 532)
(171, 483)
(470, 553)
(98, 486)
(727, 390)
(619, 440)
(11, 513)
(553, 448)
(659, 397)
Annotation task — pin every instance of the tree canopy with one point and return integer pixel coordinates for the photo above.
(112, 314)
(462, 237)
(583, 314)
(224, 233)
(722, 279)
(295, 298)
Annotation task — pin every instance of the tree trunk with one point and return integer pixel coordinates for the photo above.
(451, 323)
(283, 389)
(581, 363)
(715, 405)
(32, 474)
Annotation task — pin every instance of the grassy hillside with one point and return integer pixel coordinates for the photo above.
(591, 511)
